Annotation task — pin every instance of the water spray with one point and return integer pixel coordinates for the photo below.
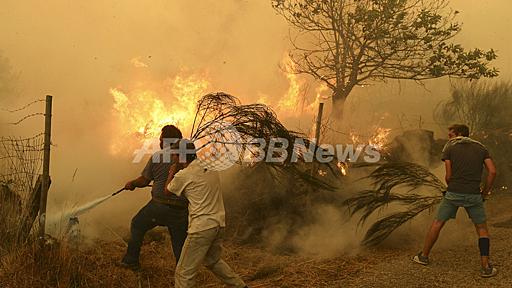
(89, 206)
(71, 216)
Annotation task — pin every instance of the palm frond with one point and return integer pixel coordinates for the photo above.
(394, 174)
(221, 119)
(381, 229)
(385, 179)
(367, 202)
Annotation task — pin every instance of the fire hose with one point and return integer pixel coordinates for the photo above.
(118, 191)
(122, 189)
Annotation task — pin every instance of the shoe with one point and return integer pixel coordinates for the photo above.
(488, 272)
(420, 259)
(131, 266)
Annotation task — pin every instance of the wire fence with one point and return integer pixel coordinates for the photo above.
(21, 161)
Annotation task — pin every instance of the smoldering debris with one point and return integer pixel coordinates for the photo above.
(417, 146)
(290, 218)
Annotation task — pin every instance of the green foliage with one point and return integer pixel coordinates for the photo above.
(352, 42)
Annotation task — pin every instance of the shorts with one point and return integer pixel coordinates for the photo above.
(473, 203)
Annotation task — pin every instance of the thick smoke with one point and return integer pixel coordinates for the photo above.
(78, 51)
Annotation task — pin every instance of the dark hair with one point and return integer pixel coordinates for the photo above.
(460, 129)
(185, 147)
(171, 131)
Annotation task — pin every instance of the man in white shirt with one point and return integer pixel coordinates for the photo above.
(203, 245)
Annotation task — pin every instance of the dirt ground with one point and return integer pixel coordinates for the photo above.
(455, 262)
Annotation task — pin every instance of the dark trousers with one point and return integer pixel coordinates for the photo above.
(152, 215)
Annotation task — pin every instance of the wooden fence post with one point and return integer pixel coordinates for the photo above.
(45, 183)
(317, 137)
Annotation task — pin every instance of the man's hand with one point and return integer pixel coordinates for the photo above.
(486, 193)
(175, 168)
(491, 175)
(172, 171)
(139, 182)
(129, 186)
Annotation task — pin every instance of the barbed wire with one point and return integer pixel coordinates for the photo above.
(9, 175)
(6, 139)
(24, 107)
(26, 148)
(25, 159)
(21, 159)
(25, 118)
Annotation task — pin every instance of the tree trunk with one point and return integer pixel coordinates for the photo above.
(338, 104)
(337, 114)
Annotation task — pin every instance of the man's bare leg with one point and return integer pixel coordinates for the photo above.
(432, 236)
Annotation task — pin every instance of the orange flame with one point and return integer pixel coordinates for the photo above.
(290, 100)
(343, 168)
(139, 114)
(289, 105)
(142, 113)
(378, 139)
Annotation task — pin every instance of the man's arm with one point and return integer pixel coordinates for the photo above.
(448, 166)
(140, 182)
(144, 179)
(177, 182)
(491, 175)
(172, 171)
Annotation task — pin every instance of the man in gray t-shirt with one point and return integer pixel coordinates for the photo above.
(464, 159)
(157, 170)
(164, 209)
(467, 158)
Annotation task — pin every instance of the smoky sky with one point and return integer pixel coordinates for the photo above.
(78, 50)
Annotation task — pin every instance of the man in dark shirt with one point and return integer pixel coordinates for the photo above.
(163, 209)
(464, 159)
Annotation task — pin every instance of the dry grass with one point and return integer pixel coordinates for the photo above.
(455, 262)
(94, 265)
